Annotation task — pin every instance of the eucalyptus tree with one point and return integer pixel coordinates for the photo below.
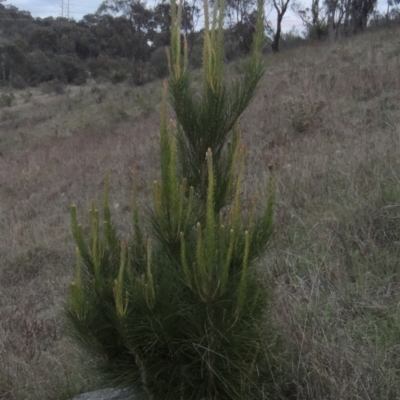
(281, 7)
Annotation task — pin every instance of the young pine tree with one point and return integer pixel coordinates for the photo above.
(180, 313)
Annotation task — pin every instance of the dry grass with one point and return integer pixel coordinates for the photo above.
(327, 116)
(330, 122)
(42, 172)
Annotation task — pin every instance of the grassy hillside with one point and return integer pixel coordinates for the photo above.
(328, 118)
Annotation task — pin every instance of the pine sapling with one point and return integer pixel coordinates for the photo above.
(179, 310)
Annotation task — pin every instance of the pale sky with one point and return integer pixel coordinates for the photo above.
(46, 8)
(79, 8)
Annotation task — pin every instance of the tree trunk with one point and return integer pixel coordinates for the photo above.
(277, 36)
(331, 28)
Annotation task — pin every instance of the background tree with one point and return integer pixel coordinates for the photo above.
(12, 61)
(191, 15)
(348, 16)
(337, 11)
(240, 22)
(281, 8)
(239, 11)
(313, 18)
(43, 39)
(133, 38)
(360, 12)
(393, 10)
(131, 31)
(162, 18)
(336, 17)
(9, 15)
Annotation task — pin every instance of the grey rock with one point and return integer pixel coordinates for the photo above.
(106, 394)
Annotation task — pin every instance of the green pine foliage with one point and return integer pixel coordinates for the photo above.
(179, 311)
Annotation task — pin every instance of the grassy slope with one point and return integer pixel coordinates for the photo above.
(327, 116)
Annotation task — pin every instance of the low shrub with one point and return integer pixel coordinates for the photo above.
(6, 100)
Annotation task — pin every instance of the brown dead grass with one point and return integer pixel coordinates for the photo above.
(41, 176)
(336, 249)
(327, 116)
